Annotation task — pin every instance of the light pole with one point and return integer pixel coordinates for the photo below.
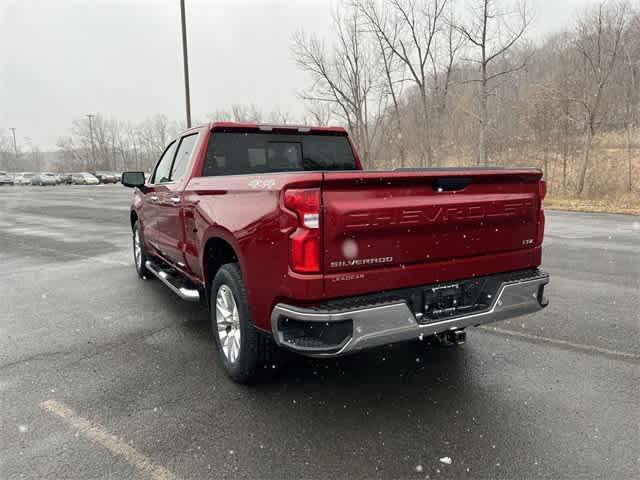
(185, 60)
(35, 155)
(93, 148)
(15, 146)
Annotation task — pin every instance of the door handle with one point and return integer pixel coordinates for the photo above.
(175, 199)
(153, 198)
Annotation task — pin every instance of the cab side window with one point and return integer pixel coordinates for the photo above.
(183, 157)
(162, 173)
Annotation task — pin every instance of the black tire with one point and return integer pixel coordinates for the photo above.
(257, 353)
(141, 269)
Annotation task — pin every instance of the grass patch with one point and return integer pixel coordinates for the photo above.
(628, 204)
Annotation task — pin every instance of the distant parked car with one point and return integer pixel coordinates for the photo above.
(118, 176)
(84, 178)
(65, 178)
(23, 178)
(106, 177)
(44, 179)
(5, 178)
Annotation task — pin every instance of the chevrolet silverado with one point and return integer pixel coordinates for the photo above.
(290, 244)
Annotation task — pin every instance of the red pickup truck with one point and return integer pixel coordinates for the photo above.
(292, 245)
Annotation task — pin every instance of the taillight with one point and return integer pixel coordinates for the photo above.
(304, 242)
(542, 192)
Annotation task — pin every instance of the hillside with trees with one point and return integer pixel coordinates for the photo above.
(428, 83)
(424, 83)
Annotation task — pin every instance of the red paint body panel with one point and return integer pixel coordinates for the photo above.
(397, 219)
(402, 231)
(255, 224)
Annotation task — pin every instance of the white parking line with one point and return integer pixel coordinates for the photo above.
(96, 433)
(564, 343)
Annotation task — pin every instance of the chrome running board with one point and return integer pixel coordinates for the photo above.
(173, 282)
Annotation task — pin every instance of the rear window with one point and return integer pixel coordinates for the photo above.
(233, 153)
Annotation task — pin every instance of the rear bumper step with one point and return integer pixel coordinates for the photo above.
(328, 332)
(175, 282)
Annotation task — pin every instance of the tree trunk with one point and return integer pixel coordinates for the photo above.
(482, 141)
(400, 141)
(427, 137)
(630, 187)
(565, 155)
(588, 139)
(552, 178)
(565, 144)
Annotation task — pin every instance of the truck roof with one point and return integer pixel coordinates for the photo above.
(267, 127)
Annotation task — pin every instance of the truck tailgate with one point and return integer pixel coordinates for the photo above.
(377, 224)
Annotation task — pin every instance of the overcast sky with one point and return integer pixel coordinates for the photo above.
(61, 59)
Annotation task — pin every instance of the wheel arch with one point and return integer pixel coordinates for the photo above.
(133, 218)
(216, 252)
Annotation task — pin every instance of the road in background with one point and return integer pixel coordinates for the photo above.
(103, 375)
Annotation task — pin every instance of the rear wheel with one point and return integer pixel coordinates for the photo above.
(139, 257)
(244, 352)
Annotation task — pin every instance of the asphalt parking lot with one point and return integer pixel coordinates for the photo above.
(103, 375)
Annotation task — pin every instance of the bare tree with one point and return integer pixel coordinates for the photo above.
(492, 32)
(117, 145)
(73, 154)
(631, 48)
(599, 41)
(577, 83)
(319, 113)
(33, 159)
(345, 76)
(246, 113)
(443, 64)
(408, 29)
(562, 93)
(280, 117)
(133, 140)
(238, 113)
(221, 115)
(6, 151)
(393, 69)
(154, 135)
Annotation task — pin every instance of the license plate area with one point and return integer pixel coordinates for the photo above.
(454, 299)
(443, 300)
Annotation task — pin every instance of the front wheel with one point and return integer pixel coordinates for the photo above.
(139, 257)
(244, 351)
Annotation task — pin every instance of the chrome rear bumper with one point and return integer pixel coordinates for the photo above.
(395, 322)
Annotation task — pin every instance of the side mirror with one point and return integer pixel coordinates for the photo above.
(133, 179)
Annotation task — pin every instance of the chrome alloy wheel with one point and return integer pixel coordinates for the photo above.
(137, 249)
(228, 321)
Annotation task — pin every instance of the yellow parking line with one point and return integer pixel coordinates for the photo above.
(96, 433)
